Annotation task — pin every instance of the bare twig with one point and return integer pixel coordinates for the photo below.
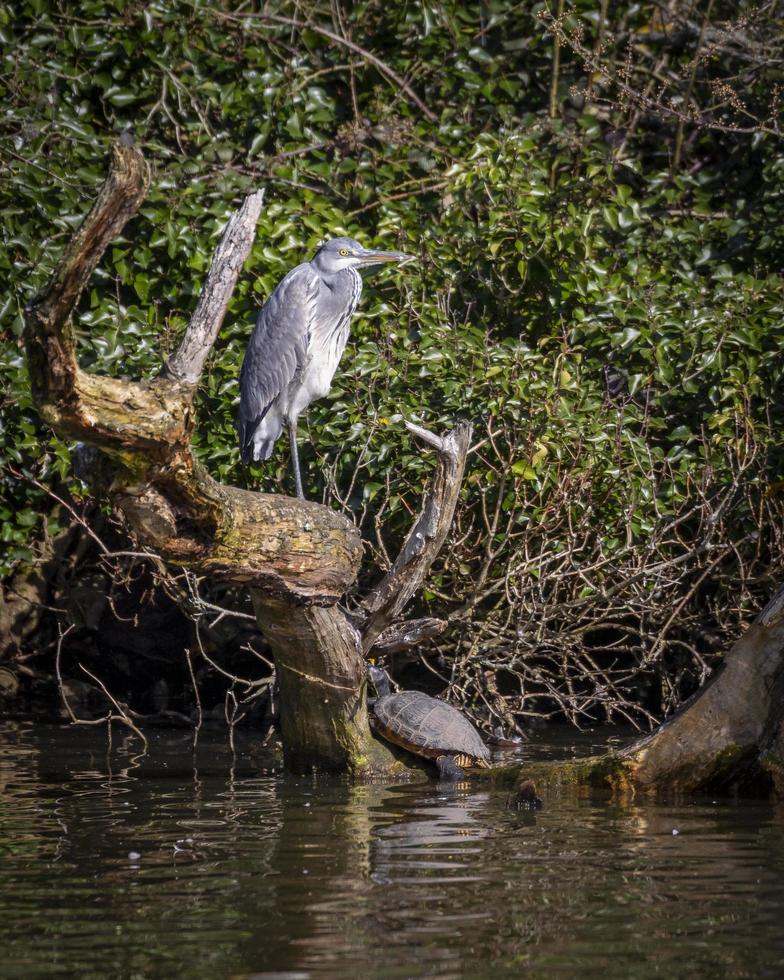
(197, 698)
(344, 42)
(122, 715)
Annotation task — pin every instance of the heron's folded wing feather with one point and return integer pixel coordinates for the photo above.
(277, 349)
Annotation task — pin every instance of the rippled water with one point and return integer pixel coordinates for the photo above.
(208, 866)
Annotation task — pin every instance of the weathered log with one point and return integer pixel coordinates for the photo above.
(721, 736)
(298, 557)
(729, 735)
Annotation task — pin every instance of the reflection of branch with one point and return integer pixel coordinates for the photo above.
(121, 716)
(388, 599)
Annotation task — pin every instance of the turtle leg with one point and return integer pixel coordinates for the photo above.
(448, 770)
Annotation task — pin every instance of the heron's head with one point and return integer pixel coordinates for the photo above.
(346, 253)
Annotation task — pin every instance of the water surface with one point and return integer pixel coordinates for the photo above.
(181, 865)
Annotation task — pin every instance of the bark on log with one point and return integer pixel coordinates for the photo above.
(298, 557)
(322, 679)
(724, 733)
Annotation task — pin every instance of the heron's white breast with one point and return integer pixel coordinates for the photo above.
(328, 339)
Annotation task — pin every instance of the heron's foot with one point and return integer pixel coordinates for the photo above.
(448, 770)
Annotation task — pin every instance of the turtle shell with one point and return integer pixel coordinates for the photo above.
(428, 727)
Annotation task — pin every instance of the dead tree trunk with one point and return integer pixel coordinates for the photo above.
(298, 557)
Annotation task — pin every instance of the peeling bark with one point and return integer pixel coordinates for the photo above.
(411, 633)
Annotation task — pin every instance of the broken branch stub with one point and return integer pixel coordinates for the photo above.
(187, 363)
(48, 336)
(388, 599)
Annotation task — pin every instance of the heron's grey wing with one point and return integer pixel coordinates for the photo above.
(277, 350)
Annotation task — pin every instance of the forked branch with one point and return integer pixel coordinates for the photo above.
(288, 549)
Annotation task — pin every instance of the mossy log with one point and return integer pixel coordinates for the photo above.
(298, 557)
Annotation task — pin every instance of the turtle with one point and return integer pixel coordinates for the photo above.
(427, 727)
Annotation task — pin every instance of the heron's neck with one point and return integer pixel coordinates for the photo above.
(345, 279)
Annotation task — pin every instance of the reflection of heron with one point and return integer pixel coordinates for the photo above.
(299, 338)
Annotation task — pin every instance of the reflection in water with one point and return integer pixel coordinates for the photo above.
(172, 865)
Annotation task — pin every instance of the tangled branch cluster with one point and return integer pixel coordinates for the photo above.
(556, 614)
(698, 70)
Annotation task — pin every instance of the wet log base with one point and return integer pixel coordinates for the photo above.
(322, 678)
(298, 557)
(728, 737)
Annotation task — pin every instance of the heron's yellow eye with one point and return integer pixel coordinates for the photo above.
(344, 251)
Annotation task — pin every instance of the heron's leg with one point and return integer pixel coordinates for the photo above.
(292, 427)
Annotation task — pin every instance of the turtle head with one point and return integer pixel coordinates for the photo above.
(380, 680)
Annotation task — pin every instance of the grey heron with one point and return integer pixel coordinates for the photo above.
(299, 338)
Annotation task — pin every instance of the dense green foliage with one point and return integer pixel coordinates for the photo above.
(598, 287)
